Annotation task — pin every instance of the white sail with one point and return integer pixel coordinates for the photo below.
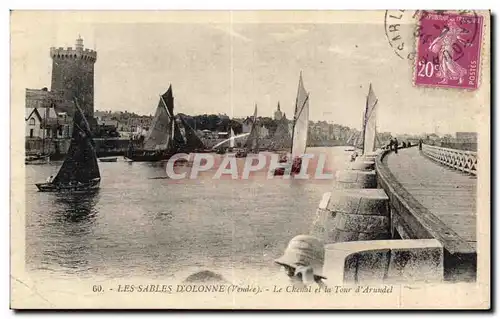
(370, 128)
(252, 143)
(301, 121)
(231, 141)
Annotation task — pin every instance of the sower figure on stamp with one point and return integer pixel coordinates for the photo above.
(303, 261)
(449, 69)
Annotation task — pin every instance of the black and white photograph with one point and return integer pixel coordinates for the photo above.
(250, 159)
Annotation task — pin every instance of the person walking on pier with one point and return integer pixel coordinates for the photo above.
(420, 144)
(303, 261)
(391, 142)
(395, 145)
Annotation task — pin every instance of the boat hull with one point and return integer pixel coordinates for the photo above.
(148, 156)
(107, 160)
(280, 171)
(66, 188)
(37, 160)
(294, 169)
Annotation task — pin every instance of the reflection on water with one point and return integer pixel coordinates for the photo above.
(76, 208)
(135, 225)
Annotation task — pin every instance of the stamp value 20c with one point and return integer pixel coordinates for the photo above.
(449, 50)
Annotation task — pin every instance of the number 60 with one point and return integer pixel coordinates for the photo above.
(96, 288)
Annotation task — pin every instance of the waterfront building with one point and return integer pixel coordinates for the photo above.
(33, 120)
(45, 122)
(470, 137)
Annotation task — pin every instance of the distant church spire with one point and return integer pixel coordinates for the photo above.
(278, 115)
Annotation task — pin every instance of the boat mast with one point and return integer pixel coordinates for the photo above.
(364, 129)
(257, 131)
(294, 121)
(171, 119)
(44, 121)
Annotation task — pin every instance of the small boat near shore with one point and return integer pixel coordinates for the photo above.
(240, 153)
(37, 159)
(108, 159)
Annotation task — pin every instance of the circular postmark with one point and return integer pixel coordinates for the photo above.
(403, 28)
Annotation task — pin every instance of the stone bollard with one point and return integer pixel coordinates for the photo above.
(356, 179)
(385, 261)
(370, 156)
(363, 165)
(356, 214)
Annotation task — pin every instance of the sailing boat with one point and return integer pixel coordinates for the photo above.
(231, 141)
(350, 142)
(369, 126)
(252, 143)
(160, 143)
(299, 132)
(358, 140)
(79, 171)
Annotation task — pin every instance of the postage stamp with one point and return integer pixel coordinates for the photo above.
(448, 50)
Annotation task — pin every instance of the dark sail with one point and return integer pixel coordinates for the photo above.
(179, 139)
(80, 164)
(167, 99)
(193, 142)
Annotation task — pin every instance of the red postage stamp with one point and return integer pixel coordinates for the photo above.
(449, 50)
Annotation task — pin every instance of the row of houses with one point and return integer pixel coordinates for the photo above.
(43, 121)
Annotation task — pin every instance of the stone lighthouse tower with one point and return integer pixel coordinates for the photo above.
(73, 76)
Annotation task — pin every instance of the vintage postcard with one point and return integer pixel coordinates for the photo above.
(250, 159)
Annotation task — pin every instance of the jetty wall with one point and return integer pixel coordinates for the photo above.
(376, 231)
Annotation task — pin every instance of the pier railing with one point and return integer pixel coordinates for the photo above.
(465, 161)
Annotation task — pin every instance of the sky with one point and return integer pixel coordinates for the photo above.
(223, 64)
